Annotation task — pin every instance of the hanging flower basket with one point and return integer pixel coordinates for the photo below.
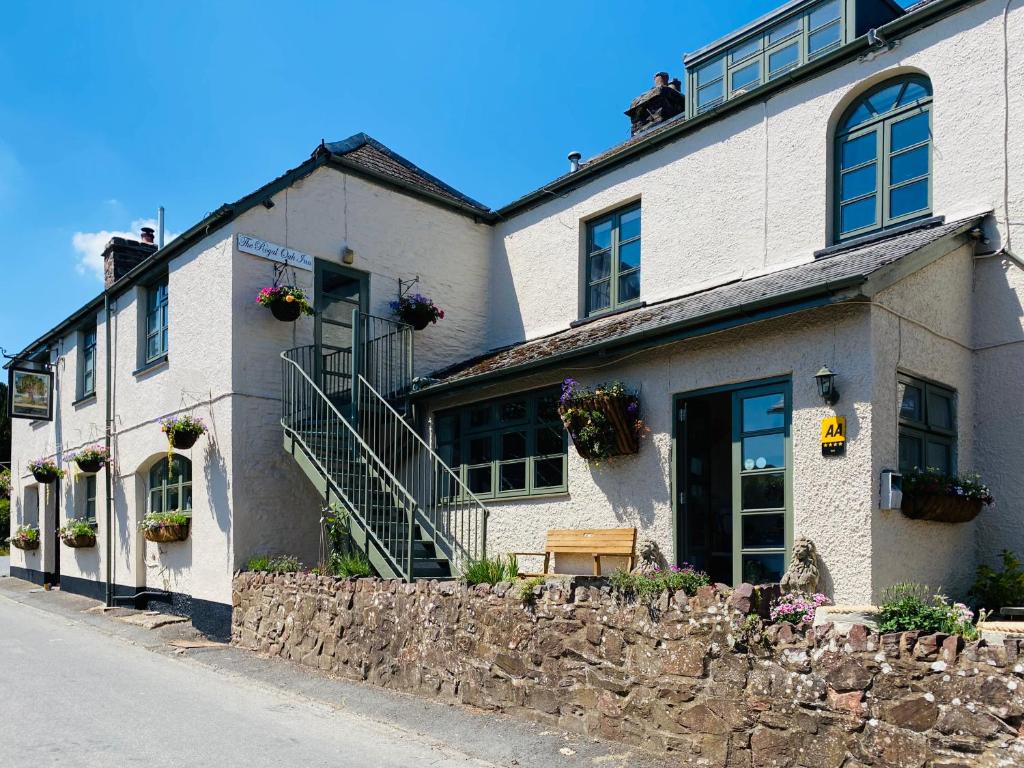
(26, 537)
(286, 302)
(932, 495)
(165, 527)
(92, 459)
(45, 470)
(25, 544)
(80, 542)
(417, 310)
(78, 534)
(182, 431)
(602, 423)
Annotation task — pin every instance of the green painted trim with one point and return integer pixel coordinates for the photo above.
(924, 430)
(614, 246)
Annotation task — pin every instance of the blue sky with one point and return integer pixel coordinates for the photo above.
(108, 110)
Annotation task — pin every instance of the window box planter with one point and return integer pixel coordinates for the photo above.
(614, 411)
(166, 533)
(602, 423)
(940, 508)
(81, 541)
(25, 544)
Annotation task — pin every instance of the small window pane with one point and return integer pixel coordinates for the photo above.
(764, 412)
(547, 408)
(629, 256)
(906, 133)
(859, 182)
(480, 450)
(710, 94)
(710, 72)
(513, 476)
(549, 473)
(908, 165)
(910, 452)
(783, 59)
(746, 76)
(824, 39)
(172, 499)
(156, 500)
(764, 452)
(763, 569)
(601, 235)
(914, 92)
(784, 30)
(763, 491)
(764, 531)
(600, 266)
(824, 13)
(940, 410)
(940, 457)
(513, 445)
(550, 440)
(909, 199)
(445, 429)
(885, 100)
(860, 115)
(629, 225)
(854, 216)
(860, 150)
(480, 417)
(600, 296)
(629, 287)
(513, 410)
(742, 51)
(479, 479)
(910, 402)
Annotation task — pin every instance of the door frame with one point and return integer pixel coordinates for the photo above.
(678, 436)
(320, 266)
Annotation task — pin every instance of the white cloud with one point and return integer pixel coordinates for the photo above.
(89, 245)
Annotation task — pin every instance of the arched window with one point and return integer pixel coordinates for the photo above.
(170, 488)
(883, 158)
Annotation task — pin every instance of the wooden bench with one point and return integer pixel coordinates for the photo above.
(595, 542)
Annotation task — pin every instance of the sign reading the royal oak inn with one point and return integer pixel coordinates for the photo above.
(279, 253)
(833, 436)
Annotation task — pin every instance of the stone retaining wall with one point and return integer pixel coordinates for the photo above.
(696, 677)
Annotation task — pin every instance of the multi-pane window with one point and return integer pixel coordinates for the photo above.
(90, 497)
(88, 362)
(515, 446)
(769, 53)
(156, 320)
(613, 260)
(883, 158)
(170, 487)
(927, 425)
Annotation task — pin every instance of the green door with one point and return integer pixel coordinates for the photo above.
(339, 291)
(762, 496)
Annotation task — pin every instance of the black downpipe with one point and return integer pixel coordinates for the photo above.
(109, 515)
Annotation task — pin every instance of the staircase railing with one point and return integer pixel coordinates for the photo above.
(383, 353)
(446, 509)
(374, 495)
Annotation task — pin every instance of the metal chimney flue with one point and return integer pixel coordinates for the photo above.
(574, 161)
(160, 226)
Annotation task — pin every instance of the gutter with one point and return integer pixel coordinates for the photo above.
(764, 309)
(108, 517)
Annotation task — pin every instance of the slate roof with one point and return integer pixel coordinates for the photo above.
(365, 151)
(831, 272)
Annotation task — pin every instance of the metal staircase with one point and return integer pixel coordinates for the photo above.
(345, 422)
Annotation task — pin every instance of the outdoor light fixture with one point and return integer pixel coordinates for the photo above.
(268, 203)
(827, 385)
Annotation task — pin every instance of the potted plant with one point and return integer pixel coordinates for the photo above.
(603, 422)
(78, 533)
(286, 302)
(930, 494)
(165, 526)
(91, 459)
(417, 310)
(182, 431)
(45, 470)
(26, 537)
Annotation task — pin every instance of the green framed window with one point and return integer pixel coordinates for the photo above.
(90, 498)
(156, 320)
(883, 158)
(613, 261)
(768, 53)
(87, 361)
(514, 446)
(170, 487)
(927, 424)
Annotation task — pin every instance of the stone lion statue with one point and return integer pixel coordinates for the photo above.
(802, 575)
(649, 559)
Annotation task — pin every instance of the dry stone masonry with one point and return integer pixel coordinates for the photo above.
(697, 678)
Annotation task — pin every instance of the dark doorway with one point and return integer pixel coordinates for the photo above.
(339, 293)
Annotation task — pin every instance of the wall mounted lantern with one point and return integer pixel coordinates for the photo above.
(827, 385)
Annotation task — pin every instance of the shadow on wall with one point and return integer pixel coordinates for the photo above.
(215, 473)
(631, 500)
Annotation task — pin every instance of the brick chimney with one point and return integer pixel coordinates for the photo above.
(663, 102)
(122, 255)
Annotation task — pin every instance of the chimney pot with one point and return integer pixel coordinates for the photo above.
(674, 84)
(660, 79)
(574, 161)
(148, 235)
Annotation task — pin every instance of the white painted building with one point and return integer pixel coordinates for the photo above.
(841, 188)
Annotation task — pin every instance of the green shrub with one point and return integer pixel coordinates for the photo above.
(5, 518)
(274, 564)
(646, 588)
(527, 586)
(907, 607)
(347, 565)
(993, 589)
(489, 570)
(77, 527)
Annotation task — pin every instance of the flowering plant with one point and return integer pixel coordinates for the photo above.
(909, 606)
(26, 534)
(289, 294)
(75, 527)
(93, 454)
(162, 520)
(647, 586)
(46, 468)
(182, 425)
(934, 482)
(417, 310)
(796, 608)
(5, 482)
(596, 419)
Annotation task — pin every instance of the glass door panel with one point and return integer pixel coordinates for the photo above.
(339, 292)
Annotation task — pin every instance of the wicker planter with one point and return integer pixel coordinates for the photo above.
(614, 410)
(44, 476)
(166, 533)
(940, 508)
(79, 542)
(26, 545)
(90, 466)
(183, 440)
(286, 311)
